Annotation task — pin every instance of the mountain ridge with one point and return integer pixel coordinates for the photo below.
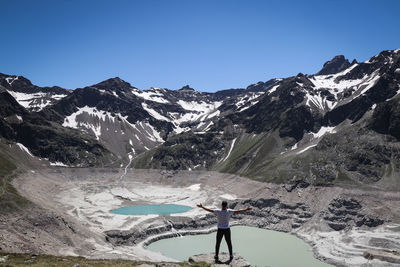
(245, 131)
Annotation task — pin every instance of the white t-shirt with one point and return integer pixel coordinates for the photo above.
(223, 217)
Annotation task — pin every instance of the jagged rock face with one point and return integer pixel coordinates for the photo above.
(187, 151)
(30, 96)
(46, 139)
(386, 118)
(335, 65)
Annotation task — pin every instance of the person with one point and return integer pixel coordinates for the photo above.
(223, 216)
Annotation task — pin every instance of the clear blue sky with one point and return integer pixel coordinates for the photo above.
(209, 44)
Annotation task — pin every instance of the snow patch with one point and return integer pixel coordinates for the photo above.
(316, 100)
(58, 97)
(200, 106)
(294, 147)
(154, 113)
(72, 122)
(194, 187)
(228, 196)
(151, 96)
(247, 101)
(305, 149)
(273, 89)
(230, 150)
(370, 83)
(34, 100)
(10, 80)
(24, 148)
(58, 164)
(323, 131)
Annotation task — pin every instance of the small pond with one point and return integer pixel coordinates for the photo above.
(162, 209)
(258, 246)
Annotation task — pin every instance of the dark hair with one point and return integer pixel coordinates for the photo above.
(224, 204)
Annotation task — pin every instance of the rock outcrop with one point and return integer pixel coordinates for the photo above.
(237, 261)
(344, 213)
(388, 256)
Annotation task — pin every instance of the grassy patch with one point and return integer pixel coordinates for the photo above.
(6, 166)
(144, 160)
(343, 178)
(10, 200)
(17, 259)
(241, 153)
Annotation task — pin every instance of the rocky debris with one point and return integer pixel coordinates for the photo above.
(273, 208)
(388, 256)
(344, 213)
(237, 261)
(296, 183)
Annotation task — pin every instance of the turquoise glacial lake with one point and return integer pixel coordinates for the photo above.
(258, 246)
(163, 209)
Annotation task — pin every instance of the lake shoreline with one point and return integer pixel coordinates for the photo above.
(285, 241)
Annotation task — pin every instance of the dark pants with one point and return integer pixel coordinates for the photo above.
(220, 234)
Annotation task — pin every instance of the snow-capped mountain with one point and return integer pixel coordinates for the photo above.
(332, 114)
(271, 130)
(44, 142)
(30, 96)
(127, 120)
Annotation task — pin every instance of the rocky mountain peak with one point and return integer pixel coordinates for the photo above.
(17, 83)
(187, 88)
(113, 84)
(335, 65)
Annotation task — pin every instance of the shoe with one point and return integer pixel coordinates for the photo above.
(216, 259)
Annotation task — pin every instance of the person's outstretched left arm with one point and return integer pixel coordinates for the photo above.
(204, 208)
(239, 211)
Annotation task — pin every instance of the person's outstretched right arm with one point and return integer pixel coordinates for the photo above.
(204, 208)
(239, 211)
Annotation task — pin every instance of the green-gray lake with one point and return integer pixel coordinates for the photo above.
(258, 246)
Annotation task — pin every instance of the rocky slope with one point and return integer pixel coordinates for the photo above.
(43, 139)
(30, 96)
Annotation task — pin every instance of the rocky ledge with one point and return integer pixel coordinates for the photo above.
(267, 213)
(237, 261)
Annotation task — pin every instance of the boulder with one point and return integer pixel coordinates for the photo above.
(388, 256)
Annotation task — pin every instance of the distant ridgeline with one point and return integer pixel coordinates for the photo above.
(338, 126)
